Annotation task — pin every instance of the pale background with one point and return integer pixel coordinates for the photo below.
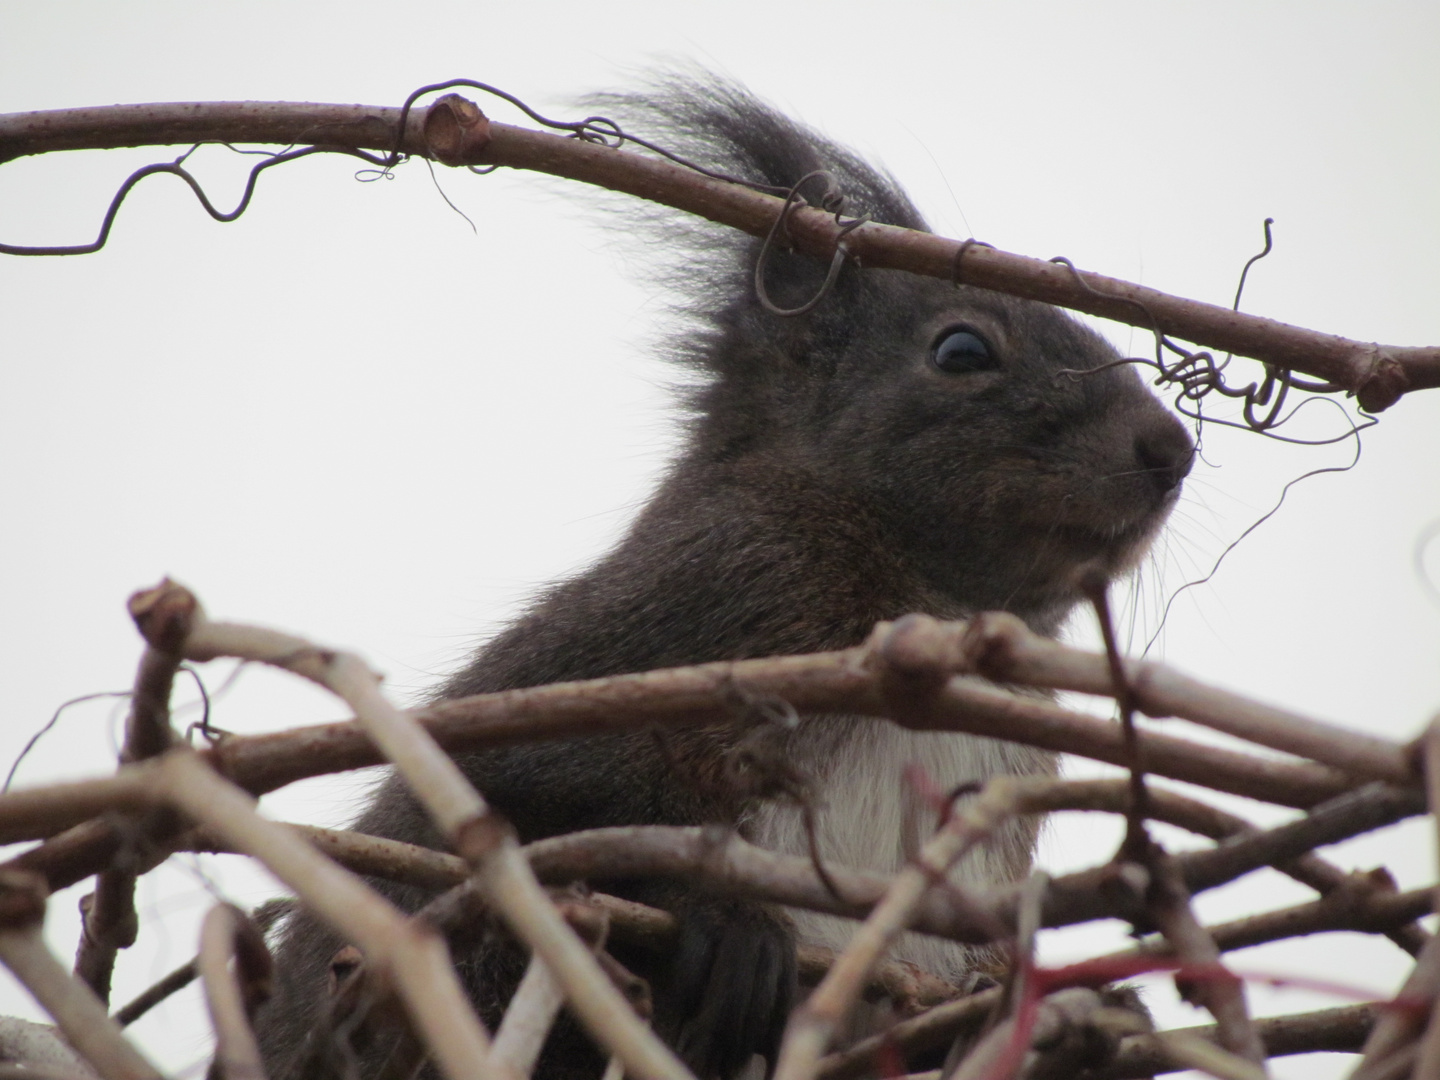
(350, 416)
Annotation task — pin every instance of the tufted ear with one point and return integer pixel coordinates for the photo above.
(724, 127)
(709, 269)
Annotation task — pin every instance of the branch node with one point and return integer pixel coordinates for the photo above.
(22, 898)
(915, 656)
(992, 642)
(165, 615)
(1385, 384)
(456, 130)
(479, 836)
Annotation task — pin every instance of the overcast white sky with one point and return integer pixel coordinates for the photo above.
(350, 416)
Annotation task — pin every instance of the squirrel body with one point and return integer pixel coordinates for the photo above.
(908, 445)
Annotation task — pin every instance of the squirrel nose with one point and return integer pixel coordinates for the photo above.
(1165, 452)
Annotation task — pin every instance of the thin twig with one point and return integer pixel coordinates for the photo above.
(1336, 1030)
(109, 923)
(77, 1012)
(484, 841)
(1377, 375)
(1136, 838)
(932, 1030)
(1168, 904)
(538, 999)
(1348, 815)
(166, 987)
(411, 955)
(1002, 647)
(1427, 1058)
(528, 1017)
(235, 967)
(1365, 908)
(814, 1023)
(264, 918)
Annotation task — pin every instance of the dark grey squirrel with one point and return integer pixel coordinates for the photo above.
(908, 445)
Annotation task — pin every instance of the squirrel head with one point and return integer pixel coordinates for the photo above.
(1003, 452)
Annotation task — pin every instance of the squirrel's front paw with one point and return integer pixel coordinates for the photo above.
(733, 984)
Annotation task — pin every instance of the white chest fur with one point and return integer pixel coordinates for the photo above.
(864, 813)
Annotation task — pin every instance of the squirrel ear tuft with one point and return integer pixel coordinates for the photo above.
(721, 126)
(708, 269)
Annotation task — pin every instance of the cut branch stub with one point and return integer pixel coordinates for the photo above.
(456, 130)
(164, 615)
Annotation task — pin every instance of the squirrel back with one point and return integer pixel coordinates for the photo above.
(907, 445)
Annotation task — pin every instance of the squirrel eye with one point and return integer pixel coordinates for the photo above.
(962, 350)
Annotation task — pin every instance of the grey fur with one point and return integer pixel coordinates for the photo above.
(831, 477)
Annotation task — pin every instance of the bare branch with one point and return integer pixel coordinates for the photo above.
(845, 681)
(825, 683)
(539, 997)
(1348, 815)
(482, 839)
(1221, 992)
(235, 966)
(38, 1052)
(1055, 1034)
(1001, 647)
(1377, 375)
(76, 1010)
(813, 1025)
(917, 671)
(408, 953)
(1364, 908)
(1337, 1030)
(528, 1017)
(109, 923)
(32, 813)
(930, 1031)
(263, 916)
(157, 992)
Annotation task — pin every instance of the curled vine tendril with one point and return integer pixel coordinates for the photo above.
(1197, 375)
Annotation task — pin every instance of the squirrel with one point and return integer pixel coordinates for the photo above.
(906, 445)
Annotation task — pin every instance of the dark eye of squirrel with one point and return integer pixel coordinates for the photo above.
(962, 350)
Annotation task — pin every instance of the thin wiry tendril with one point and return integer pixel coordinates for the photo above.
(54, 719)
(1354, 432)
(1198, 375)
(831, 201)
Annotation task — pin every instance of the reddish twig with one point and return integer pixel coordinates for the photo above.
(1168, 903)
(1136, 839)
